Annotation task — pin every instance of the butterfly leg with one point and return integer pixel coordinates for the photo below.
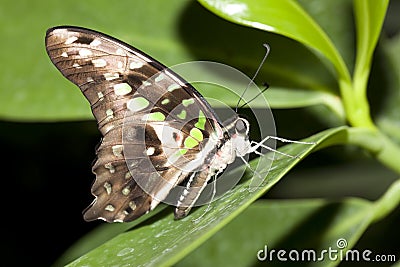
(256, 145)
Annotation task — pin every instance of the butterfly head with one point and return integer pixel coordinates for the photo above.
(242, 127)
(238, 131)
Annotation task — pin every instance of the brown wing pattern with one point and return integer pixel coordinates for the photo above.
(144, 122)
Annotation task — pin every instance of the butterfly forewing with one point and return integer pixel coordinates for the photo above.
(158, 108)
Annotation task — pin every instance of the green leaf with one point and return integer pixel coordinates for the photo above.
(275, 98)
(283, 17)
(283, 225)
(292, 225)
(340, 31)
(295, 98)
(286, 224)
(100, 235)
(369, 16)
(172, 240)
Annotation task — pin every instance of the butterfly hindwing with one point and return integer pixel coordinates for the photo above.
(154, 124)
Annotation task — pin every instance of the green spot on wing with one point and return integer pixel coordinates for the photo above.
(196, 134)
(137, 104)
(159, 78)
(182, 115)
(156, 116)
(182, 151)
(173, 86)
(202, 121)
(187, 102)
(165, 101)
(190, 142)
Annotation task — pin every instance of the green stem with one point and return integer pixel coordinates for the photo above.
(369, 17)
(356, 104)
(378, 144)
(388, 202)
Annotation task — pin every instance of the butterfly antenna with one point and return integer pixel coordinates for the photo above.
(266, 86)
(255, 75)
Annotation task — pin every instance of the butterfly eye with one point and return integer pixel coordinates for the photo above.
(241, 127)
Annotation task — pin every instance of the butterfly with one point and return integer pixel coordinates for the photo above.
(158, 131)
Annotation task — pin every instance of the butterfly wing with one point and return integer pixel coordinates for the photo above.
(154, 124)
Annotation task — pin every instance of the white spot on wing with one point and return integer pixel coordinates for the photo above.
(120, 52)
(110, 113)
(64, 54)
(111, 76)
(85, 52)
(110, 167)
(107, 186)
(146, 83)
(99, 63)
(132, 205)
(126, 190)
(117, 150)
(109, 208)
(95, 42)
(100, 95)
(109, 126)
(150, 151)
(135, 65)
(70, 40)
